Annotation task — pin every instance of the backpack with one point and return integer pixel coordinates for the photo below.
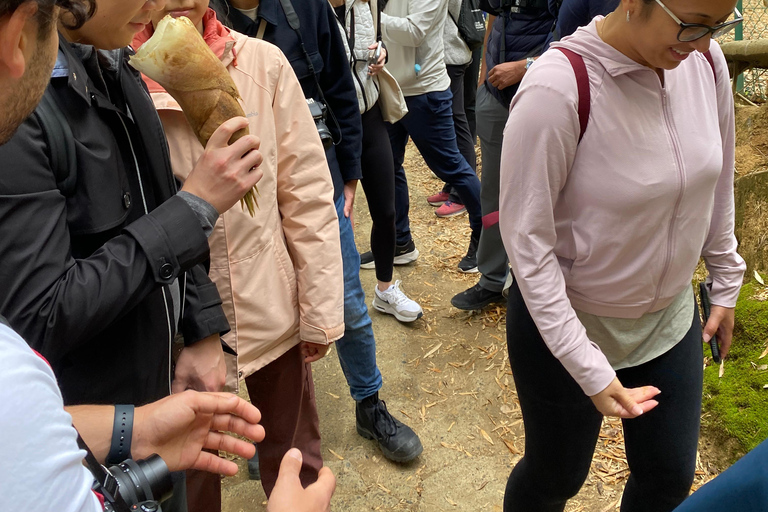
(60, 144)
(471, 24)
(582, 84)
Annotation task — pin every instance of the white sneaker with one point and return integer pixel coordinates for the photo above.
(394, 302)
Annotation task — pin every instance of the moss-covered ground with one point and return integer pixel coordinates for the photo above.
(737, 401)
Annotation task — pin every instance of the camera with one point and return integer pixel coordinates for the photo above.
(135, 486)
(319, 113)
(523, 6)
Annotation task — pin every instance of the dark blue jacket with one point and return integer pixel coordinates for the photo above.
(322, 40)
(577, 13)
(520, 35)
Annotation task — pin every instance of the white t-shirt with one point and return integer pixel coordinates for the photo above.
(41, 466)
(251, 13)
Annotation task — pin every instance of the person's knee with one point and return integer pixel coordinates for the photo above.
(668, 484)
(532, 486)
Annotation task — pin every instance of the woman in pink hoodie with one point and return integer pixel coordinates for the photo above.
(604, 226)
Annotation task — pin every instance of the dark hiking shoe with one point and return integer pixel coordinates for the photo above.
(468, 263)
(404, 254)
(253, 466)
(397, 441)
(476, 297)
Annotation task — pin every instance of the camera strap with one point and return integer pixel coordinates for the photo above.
(295, 24)
(106, 484)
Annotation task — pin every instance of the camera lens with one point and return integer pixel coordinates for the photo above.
(145, 480)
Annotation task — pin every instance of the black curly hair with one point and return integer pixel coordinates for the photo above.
(75, 12)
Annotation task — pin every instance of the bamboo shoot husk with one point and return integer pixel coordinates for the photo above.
(177, 58)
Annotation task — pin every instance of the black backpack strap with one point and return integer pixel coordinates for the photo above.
(61, 144)
(4, 322)
(295, 24)
(582, 84)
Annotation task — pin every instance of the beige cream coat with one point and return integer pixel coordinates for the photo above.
(279, 273)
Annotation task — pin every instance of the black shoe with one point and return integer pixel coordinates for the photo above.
(404, 254)
(476, 297)
(468, 263)
(253, 466)
(397, 441)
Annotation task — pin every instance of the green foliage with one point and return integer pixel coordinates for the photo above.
(737, 401)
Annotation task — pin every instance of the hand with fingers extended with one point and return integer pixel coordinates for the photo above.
(616, 400)
(289, 495)
(226, 172)
(180, 426)
(720, 322)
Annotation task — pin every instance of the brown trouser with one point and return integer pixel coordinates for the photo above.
(285, 394)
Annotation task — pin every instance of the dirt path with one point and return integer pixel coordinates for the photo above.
(448, 377)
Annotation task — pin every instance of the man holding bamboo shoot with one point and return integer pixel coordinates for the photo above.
(103, 261)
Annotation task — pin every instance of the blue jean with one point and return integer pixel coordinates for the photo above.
(429, 122)
(743, 487)
(357, 348)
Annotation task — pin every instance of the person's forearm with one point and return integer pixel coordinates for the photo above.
(94, 423)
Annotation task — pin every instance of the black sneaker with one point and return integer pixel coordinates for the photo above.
(476, 297)
(253, 466)
(468, 263)
(397, 441)
(404, 254)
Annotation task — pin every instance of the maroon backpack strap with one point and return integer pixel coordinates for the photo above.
(708, 56)
(582, 84)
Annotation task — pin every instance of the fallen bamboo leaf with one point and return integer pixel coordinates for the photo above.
(405, 413)
(482, 485)
(486, 436)
(334, 396)
(759, 279)
(384, 488)
(765, 386)
(434, 349)
(450, 501)
(511, 447)
(722, 370)
(449, 428)
(336, 454)
(765, 353)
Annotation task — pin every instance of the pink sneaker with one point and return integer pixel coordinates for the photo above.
(450, 209)
(438, 199)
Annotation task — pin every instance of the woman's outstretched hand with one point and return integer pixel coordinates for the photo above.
(616, 400)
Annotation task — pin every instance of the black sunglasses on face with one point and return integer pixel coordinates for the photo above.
(693, 31)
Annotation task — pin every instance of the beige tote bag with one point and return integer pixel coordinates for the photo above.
(391, 99)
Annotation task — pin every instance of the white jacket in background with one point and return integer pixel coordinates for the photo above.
(359, 15)
(413, 33)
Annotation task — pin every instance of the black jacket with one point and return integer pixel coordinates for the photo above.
(519, 35)
(86, 279)
(323, 42)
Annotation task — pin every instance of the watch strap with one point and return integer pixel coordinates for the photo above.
(122, 432)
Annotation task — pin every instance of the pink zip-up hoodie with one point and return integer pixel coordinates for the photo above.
(615, 225)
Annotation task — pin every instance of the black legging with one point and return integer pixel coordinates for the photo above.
(562, 424)
(379, 186)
